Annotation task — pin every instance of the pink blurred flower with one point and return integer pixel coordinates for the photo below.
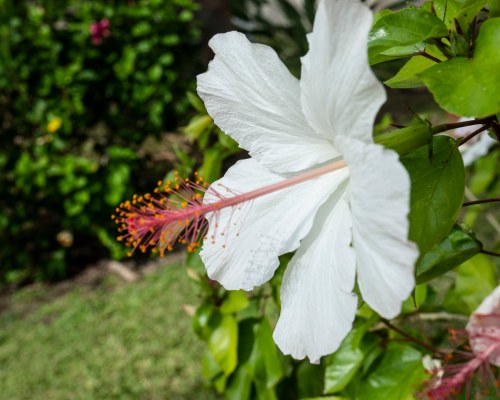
(99, 30)
(472, 369)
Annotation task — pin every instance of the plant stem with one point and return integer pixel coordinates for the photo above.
(454, 125)
(489, 253)
(427, 55)
(473, 134)
(481, 201)
(409, 337)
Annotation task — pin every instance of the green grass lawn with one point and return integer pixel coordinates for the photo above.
(113, 341)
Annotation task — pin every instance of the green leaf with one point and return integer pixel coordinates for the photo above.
(455, 249)
(417, 298)
(445, 10)
(485, 172)
(402, 33)
(201, 320)
(494, 8)
(407, 75)
(406, 139)
(398, 375)
(212, 162)
(342, 365)
(265, 361)
(197, 103)
(223, 343)
(470, 87)
(437, 189)
(309, 379)
(235, 301)
(475, 279)
(468, 11)
(209, 367)
(239, 386)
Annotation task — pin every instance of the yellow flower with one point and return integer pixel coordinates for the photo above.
(54, 124)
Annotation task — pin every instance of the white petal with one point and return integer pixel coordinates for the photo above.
(483, 327)
(252, 97)
(317, 303)
(339, 93)
(380, 203)
(248, 239)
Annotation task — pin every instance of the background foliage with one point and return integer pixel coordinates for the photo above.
(81, 121)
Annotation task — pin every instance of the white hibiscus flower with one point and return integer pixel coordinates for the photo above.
(348, 222)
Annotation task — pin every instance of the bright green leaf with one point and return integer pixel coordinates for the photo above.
(406, 30)
(437, 189)
(223, 343)
(211, 167)
(416, 299)
(468, 11)
(398, 375)
(475, 279)
(470, 87)
(406, 139)
(445, 10)
(455, 249)
(209, 367)
(197, 103)
(235, 301)
(201, 320)
(407, 76)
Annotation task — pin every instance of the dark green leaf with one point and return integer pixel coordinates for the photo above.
(310, 379)
(470, 87)
(239, 386)
(398, 375)
(402, 33)
(437, 189)
(455, 249)
(494, 8)
(265, 361)
(342, 365)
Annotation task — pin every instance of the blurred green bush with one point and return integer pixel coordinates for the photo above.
(84, 87)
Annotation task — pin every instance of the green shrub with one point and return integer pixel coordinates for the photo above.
(75, 110)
